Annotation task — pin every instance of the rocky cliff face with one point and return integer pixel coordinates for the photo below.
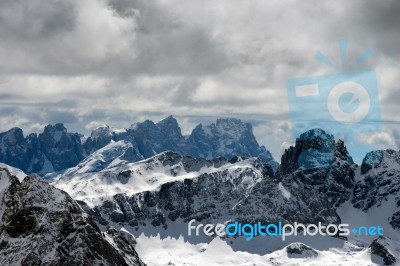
(312, 150)
(241, 189)
(379, 181)
(227, 138)
(53, 150)
(41, 225)
(381, 248)
(317, 164)
(379, 184)
(20, 152)
(99, 138)
(56, 149)
(317, 176)
(61, 148)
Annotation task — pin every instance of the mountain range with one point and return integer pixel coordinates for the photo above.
(144, 184)
(56, 149)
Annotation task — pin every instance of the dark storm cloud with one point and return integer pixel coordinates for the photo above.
(32, 21)
(64, 38)
(31, 29)
(378, 22)
(86, 63)
(166, 44)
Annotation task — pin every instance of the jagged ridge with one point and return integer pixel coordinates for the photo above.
(56, 149)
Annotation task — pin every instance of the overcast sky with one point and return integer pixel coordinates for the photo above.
(93, 62)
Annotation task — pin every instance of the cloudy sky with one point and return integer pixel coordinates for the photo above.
(93, 62)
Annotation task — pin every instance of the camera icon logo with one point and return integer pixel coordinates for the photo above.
(344, 103)
(358, 93)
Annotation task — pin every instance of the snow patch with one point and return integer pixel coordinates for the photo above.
(285, 192)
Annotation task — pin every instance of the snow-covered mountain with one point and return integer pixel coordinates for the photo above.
(55, 149)
(169, 186)
(83, 182)
(228, 137)
(317, 181)
(127, 184)
(42, 225)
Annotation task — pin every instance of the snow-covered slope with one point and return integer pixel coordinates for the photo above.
(170, 187)
(177, 251)
(14, 171)
(117, 176)
(112, 155)
(42, 225)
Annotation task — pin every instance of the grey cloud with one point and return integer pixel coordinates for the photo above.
(167, 44)
(379, 23)
(123, 61)
(368, 24)
(66, 104)
(55, 38)
(60, 117)
(29, 22)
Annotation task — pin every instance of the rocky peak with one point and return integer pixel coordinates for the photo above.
(380, 159)
(318, 164)
(44, 225)
(112, 155)
(380, 247)
(61, 149)
(13, 149)
(314, 148)
(101, 132)
(316, 139)
(232, 124)
(147, 124)
(231, 128)
(379, 182)
(55, 132)
(13, 136)
(54, 149)
(99, 138)
(300, 250)
(169, 126)
(341, 152)
(148, 138)
(228, 137)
